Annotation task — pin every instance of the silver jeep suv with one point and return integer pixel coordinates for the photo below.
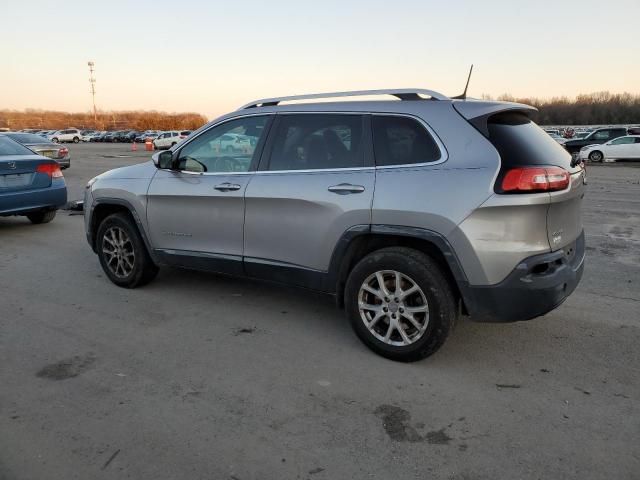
(409, 211)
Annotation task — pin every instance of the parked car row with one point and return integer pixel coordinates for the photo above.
(166, 139)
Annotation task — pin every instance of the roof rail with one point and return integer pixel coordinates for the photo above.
(401, 93)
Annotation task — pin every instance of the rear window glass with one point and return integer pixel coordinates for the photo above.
(26, 138)
(402, 141)
(9, 147)
(521, 142)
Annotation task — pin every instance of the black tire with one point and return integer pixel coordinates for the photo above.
(596, 156)
(44, 216)
(427, 274)
(144, 270)
(76, 140)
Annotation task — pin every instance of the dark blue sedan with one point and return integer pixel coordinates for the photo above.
(30, 184)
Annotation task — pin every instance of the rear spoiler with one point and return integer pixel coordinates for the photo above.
(478, 112)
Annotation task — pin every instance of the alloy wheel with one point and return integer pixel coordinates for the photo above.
(393, 308)
(119, 253)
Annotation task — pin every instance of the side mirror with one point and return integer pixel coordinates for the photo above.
(163, 160)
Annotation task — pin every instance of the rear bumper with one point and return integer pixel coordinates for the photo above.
(21, 202)
(536, 286)
(64, 162)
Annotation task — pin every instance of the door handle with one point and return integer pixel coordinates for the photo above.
(346, 188)
(227, 187)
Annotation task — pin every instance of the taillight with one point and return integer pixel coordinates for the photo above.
(51, 169)
(63, 152)
(535, 179)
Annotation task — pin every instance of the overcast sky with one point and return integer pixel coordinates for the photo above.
(212, 56)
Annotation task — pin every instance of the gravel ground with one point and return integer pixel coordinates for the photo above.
(201, 376)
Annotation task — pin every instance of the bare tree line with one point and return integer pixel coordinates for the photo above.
(601, 108)
(135, 120)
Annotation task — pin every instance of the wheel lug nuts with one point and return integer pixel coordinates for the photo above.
(396, 300)
(385, 309)
(386, 299)
(393, 315)
(402, 310)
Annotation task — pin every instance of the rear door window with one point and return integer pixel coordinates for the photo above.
(402, 141)
(317, 141)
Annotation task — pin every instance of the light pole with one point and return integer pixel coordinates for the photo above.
(92, 81)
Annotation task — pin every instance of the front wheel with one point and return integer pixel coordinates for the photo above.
(596, 156)
(122, 252)
(400, 303)
(41, 217)
(76, 139)
(55, 140)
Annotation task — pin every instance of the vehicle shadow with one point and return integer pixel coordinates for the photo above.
(562, 337)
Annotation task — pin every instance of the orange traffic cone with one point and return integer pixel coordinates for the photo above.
(134, 146)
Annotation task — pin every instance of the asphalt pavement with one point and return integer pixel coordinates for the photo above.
(202, 376)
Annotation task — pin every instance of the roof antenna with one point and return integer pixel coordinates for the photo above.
(463, 95)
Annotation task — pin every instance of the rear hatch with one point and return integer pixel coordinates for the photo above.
(524, 145)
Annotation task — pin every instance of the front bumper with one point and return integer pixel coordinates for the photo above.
(536, 286)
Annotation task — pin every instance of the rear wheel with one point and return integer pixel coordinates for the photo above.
(55, 140)
(41, 217)
(122, 252)
(400, 304)
(596, 156)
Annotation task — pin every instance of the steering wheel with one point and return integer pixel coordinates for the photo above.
(224, 164)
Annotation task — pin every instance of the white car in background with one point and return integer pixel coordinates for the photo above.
(87, 134)
(67, 135)
(621, 148)
(167, 140)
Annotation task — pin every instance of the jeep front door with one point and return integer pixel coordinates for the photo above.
(196, 211)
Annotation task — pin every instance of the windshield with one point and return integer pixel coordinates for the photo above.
(9, 147)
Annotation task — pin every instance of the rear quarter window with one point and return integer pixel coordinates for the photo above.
(402, 141)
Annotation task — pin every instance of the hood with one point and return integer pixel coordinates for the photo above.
(138, 171)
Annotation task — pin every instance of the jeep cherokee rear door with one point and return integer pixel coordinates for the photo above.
(315, 182)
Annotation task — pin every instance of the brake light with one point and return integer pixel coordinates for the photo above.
(51, 169)
(535, 179)
(63, 152)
